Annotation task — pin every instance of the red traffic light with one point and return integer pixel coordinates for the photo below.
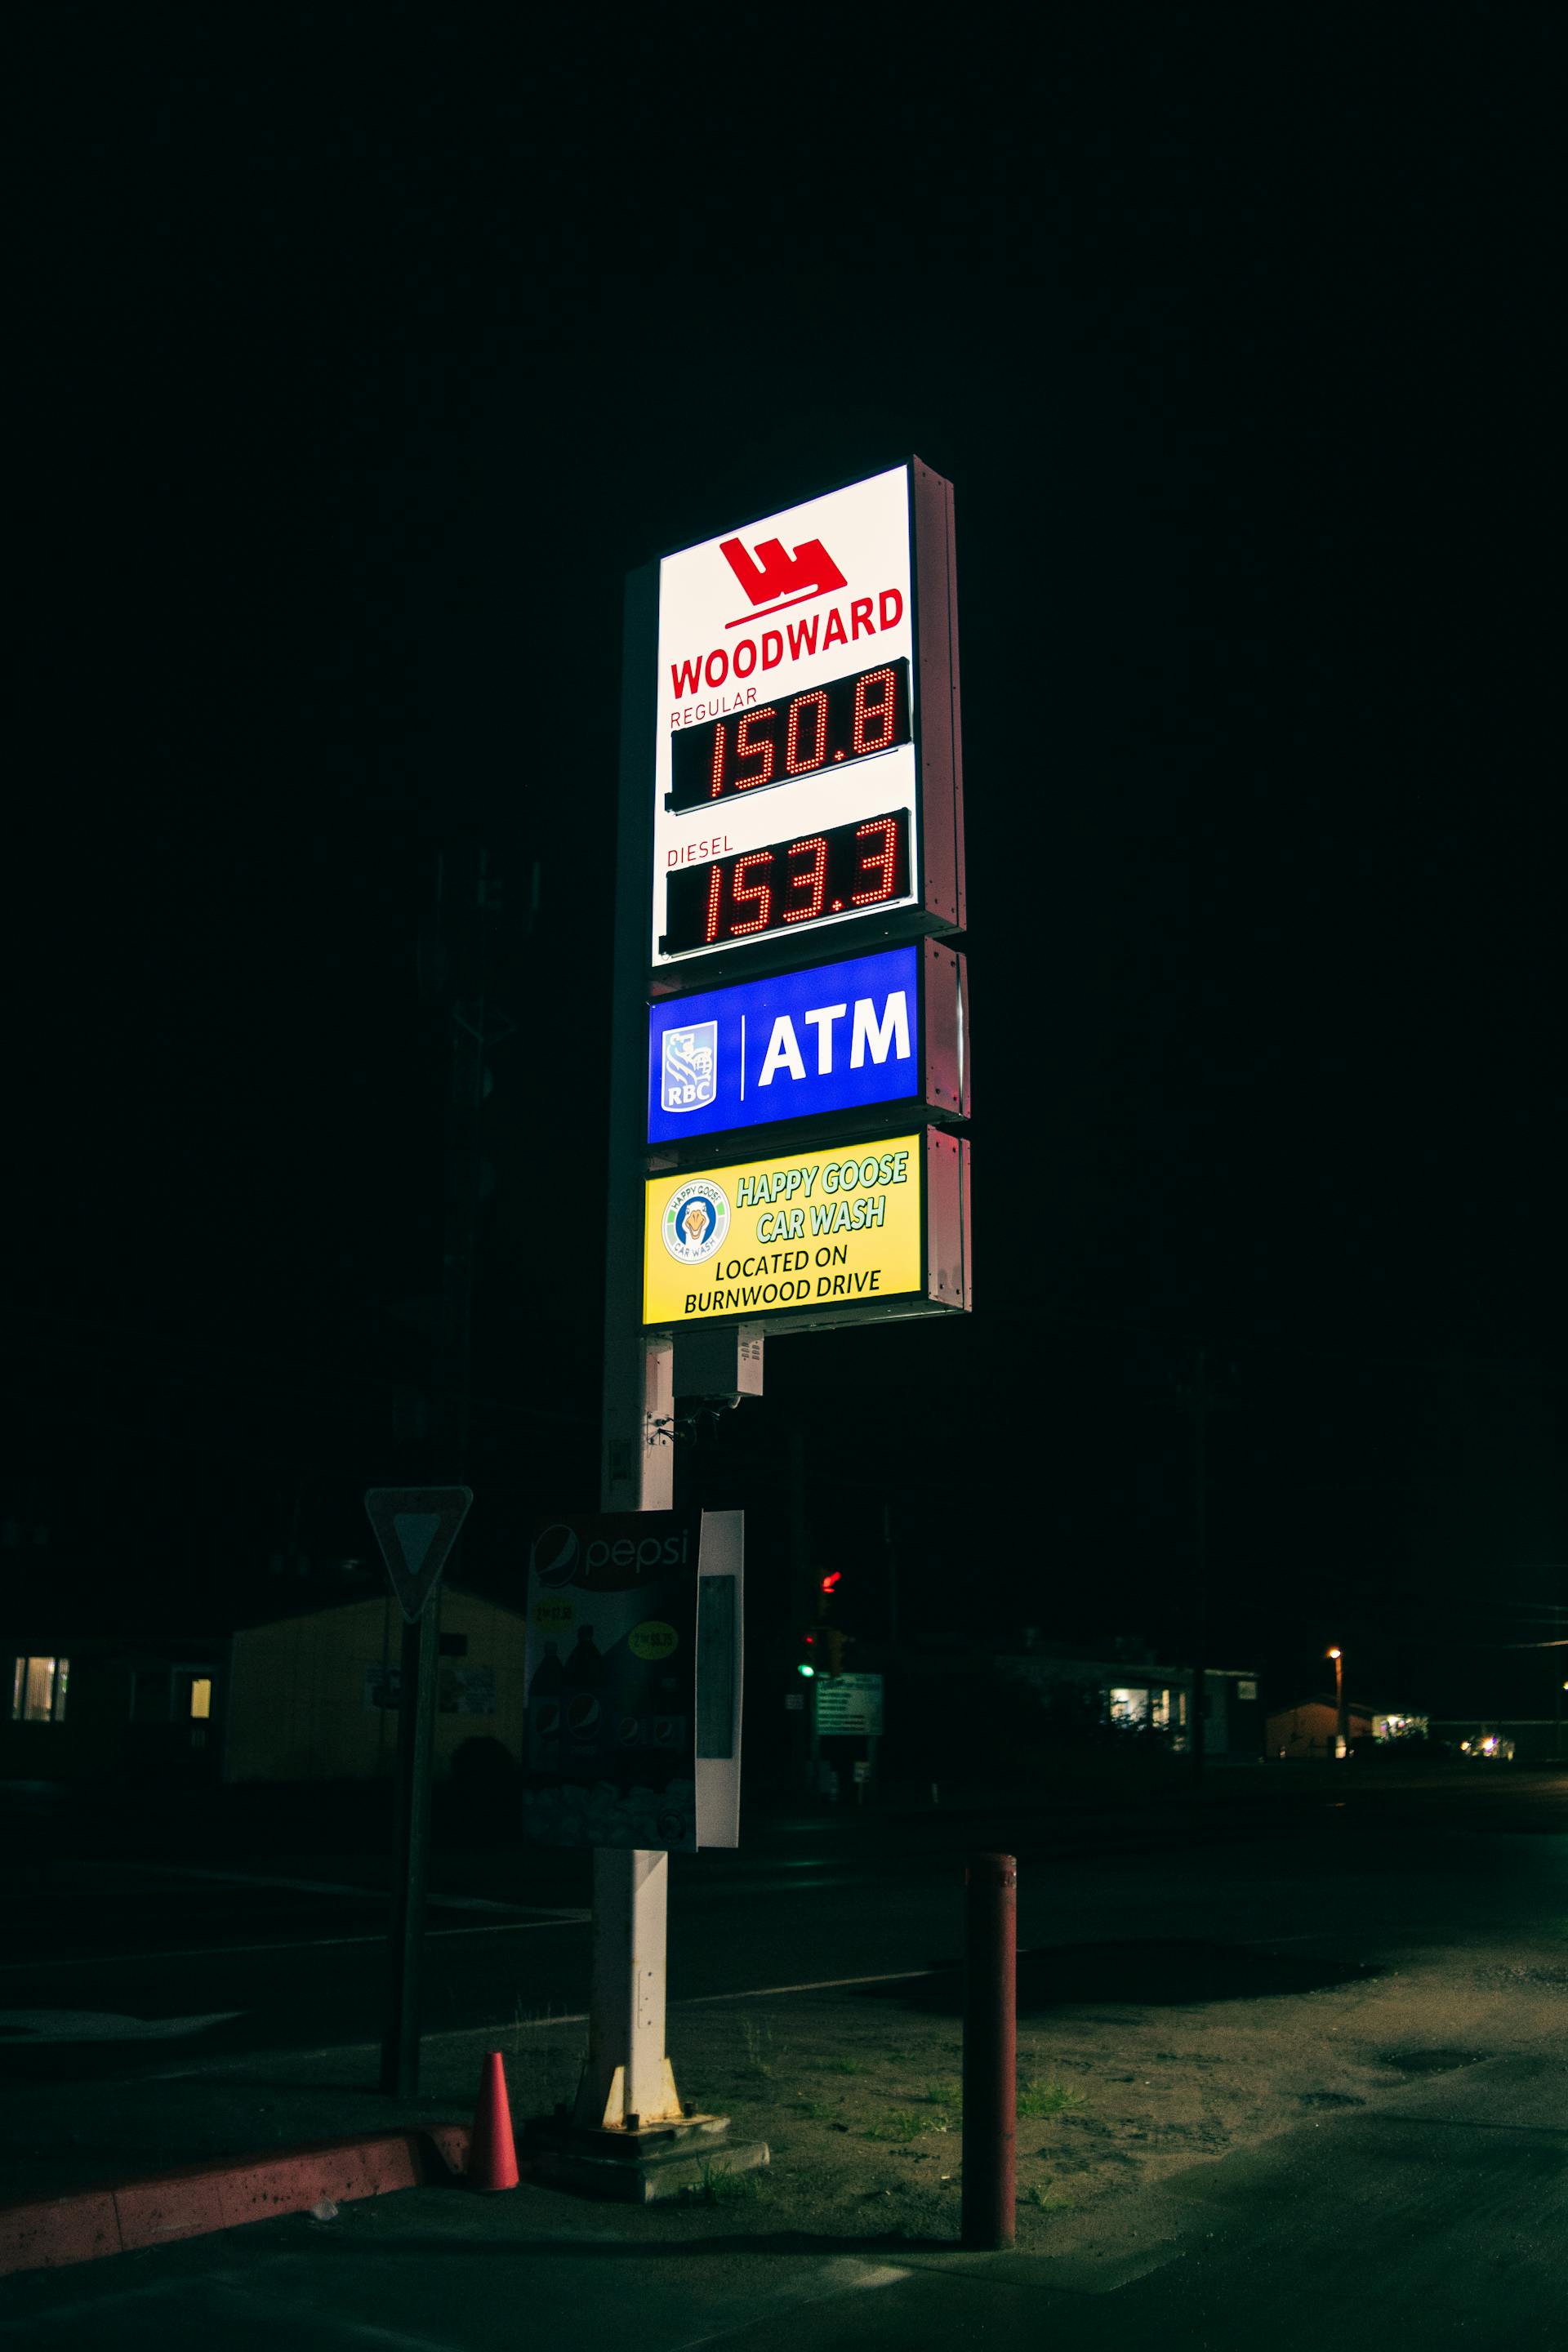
(829, 1581)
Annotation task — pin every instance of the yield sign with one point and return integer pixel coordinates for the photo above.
(416, 1528)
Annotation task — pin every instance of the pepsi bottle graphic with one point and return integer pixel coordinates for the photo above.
(639, 1756)
(629, 1726)
(582, 1709)
(545, 1697)
(668, 1758)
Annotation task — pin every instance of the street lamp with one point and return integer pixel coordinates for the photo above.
(1341, 1726)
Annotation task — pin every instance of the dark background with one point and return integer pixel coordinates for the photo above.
(356, 353)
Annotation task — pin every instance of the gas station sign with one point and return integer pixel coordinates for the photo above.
(790, 796)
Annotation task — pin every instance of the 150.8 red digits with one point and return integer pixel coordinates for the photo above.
(806, 736)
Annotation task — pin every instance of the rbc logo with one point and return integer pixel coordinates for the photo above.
(691, 1067)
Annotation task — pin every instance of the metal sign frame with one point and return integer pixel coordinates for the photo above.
(944, 1253)
(939, 902)
(938, 1089)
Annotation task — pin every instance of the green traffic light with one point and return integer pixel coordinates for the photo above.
(809, 1671)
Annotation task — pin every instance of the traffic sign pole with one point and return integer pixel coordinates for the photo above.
(416, 1527)
(416, 1750)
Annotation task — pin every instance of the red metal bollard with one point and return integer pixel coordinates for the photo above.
(990, 2051)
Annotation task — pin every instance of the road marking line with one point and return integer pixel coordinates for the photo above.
(324, 1887)
(822, 1984)
(300, 1944)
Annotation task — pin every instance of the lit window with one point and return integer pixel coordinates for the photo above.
(38, 1690)
(201, 1698)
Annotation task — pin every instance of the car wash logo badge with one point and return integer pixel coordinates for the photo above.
(691, 1066)
(696, 1220)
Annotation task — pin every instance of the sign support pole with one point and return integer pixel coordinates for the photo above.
(628, 2074)
(416, 1527)
(416, 1741)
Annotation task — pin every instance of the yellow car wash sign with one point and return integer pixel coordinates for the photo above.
(817, 1229)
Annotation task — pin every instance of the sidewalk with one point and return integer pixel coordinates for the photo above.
(1425, 2212)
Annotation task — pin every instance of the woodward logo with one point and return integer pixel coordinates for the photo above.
(772, 579)
(841, 625)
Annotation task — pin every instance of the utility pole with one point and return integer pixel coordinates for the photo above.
(456, 964)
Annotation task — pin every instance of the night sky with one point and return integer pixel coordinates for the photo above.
(356, 353)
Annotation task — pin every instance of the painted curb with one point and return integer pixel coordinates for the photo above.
(46, 2232)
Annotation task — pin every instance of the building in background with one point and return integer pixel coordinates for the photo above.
(306, 1695)
(1306, 1733)
(1133, 1691)
(313, 1696)
(140, 1709)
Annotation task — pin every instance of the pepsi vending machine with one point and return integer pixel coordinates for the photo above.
(633, 1680)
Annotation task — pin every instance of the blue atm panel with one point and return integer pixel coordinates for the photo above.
(837, 1037)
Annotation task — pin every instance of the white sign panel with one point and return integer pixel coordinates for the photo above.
(785, 787)
(849, 1704)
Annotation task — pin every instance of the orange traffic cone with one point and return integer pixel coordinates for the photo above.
(492, 2154)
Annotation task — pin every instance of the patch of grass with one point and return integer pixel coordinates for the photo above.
(717, 2188)
(759, 2040)
(1039, 2098)
(844, 2065)
(946, 2093)
(897, 2127)
(817, 2111)
(1045, 2200)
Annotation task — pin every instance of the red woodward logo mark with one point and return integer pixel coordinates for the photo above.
(772, 579)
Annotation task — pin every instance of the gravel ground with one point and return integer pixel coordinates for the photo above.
(858, 2095)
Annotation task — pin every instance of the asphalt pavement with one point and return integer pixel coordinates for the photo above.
(1427, 2217)
(283, 1946)
(1434, 2220)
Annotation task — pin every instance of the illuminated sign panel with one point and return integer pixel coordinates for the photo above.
(805, 754)
(884, 1028)
(821, 1237)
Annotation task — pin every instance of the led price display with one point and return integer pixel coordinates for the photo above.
(845, 868)
(844, 719)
